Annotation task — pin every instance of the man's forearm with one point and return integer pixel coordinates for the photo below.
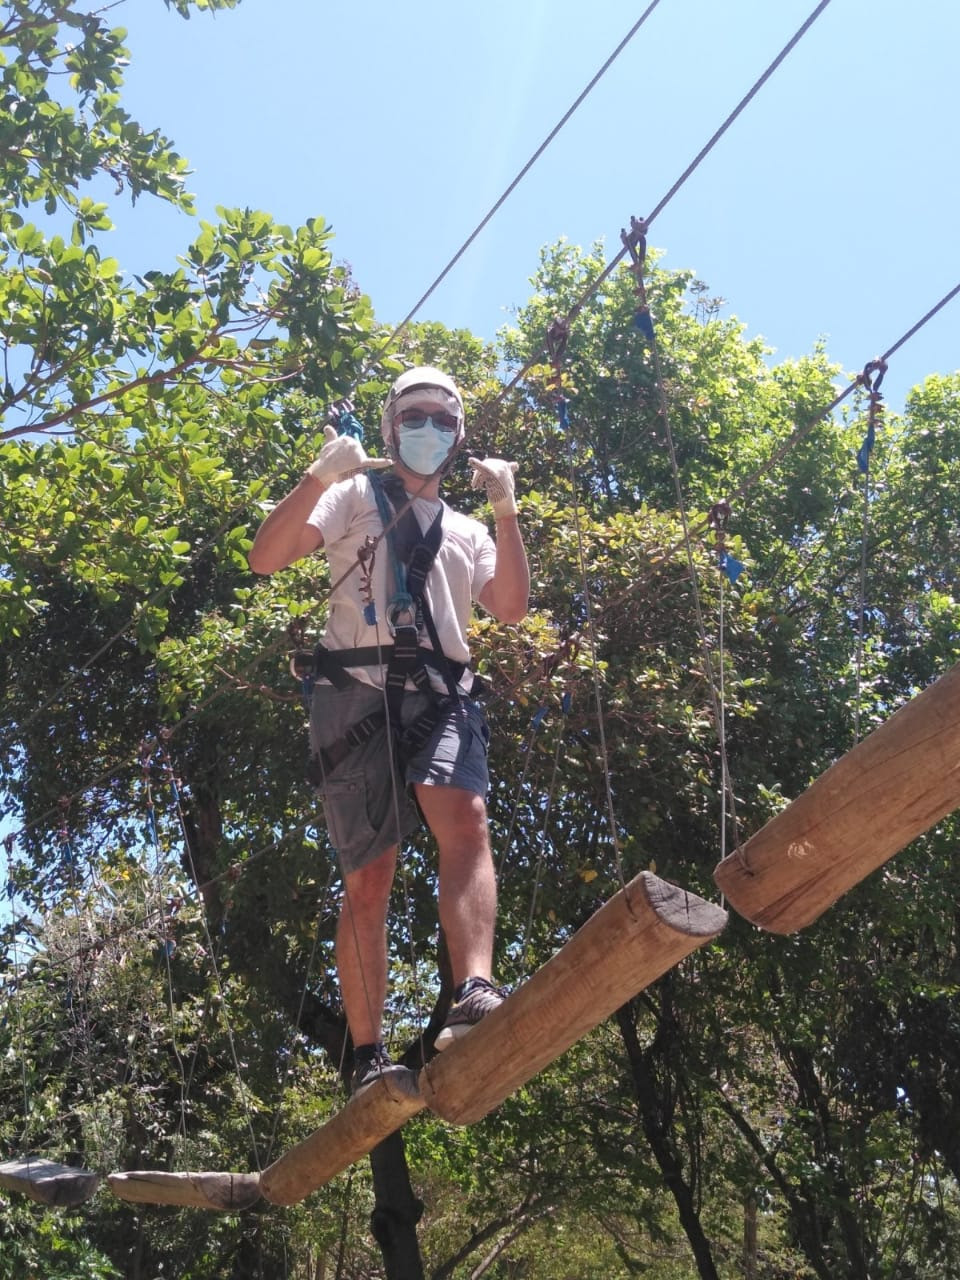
(509, 596)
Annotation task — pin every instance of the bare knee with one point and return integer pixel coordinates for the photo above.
(457, 818)
(366, 891)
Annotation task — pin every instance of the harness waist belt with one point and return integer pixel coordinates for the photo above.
(375, 657)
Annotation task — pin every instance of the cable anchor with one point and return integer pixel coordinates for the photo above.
(718, 519)
(341, 416)
(635, 242)
(870, 379)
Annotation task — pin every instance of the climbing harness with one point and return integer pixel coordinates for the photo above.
(412, 553)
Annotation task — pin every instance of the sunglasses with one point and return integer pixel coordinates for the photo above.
(416, 418)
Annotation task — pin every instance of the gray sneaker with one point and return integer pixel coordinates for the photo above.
(371, 1066)
(477, 998)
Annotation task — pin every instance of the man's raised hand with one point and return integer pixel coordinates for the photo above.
(496, 476)
(342, 457)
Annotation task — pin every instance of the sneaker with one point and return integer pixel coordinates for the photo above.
(477, 998)
(370, 1062)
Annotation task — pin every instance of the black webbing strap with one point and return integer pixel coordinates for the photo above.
(416, 551)
(406, 659)
(326, 759)
(330, 663)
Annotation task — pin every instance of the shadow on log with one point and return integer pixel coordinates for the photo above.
(893, 786)
(368, 1117)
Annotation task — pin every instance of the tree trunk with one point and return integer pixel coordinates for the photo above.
(396, 1211)
(658, 1135)
(750, 1236)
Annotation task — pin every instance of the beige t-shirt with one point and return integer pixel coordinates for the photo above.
(346, 515)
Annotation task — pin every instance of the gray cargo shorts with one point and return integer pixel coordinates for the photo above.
(368, 806)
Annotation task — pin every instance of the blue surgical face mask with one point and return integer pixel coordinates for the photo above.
(424, 449)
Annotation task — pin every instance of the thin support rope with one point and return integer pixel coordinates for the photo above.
(78, 1004)
(325, 898)
(861, 600)
(595, 670)
(180, 1139)
(871, 378)
(718, 718)
(551, 792)
(514, 810)
(401, 327)
(214, 966)
(17, 994)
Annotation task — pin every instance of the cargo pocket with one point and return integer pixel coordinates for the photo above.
(346, 811)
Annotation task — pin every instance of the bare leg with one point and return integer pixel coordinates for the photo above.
(362, 946)
(468, 885)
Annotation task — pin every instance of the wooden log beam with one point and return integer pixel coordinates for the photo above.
(893, 786)
(58, 1185)
(644, 930)
(226, 1192)
(370, 1116)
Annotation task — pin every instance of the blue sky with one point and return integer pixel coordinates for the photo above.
(828, 210)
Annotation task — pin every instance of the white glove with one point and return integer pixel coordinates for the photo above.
(342, 457)
(496, 476)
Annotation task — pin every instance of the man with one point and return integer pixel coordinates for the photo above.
(377, 689)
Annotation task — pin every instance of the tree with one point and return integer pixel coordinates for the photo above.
(151, 743)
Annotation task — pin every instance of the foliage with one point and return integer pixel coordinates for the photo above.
(169, 967)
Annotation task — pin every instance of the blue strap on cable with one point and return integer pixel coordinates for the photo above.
(644, 322)
(731, 566)
(863, 453)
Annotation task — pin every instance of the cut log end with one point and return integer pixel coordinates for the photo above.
(644, 930)
(680, 910)
(59, 1186)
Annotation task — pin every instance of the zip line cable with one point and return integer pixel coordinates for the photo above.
(401, 327)
(687, 173)
(704, 151)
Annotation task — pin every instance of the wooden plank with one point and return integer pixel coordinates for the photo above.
(226, 1192)
(644, 930)
(893, 786)
(49, 1183)
(367, 1118)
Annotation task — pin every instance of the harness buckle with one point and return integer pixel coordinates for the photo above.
(401, 614)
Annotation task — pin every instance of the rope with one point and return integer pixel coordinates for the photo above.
(551, 791)
(215, 968)
(146, 753)
(684, 177)
(635, 244)
(401, 327)
(557, 337)
(871, 378)
(78, 1004)
(17, 998)
(271, 1141)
